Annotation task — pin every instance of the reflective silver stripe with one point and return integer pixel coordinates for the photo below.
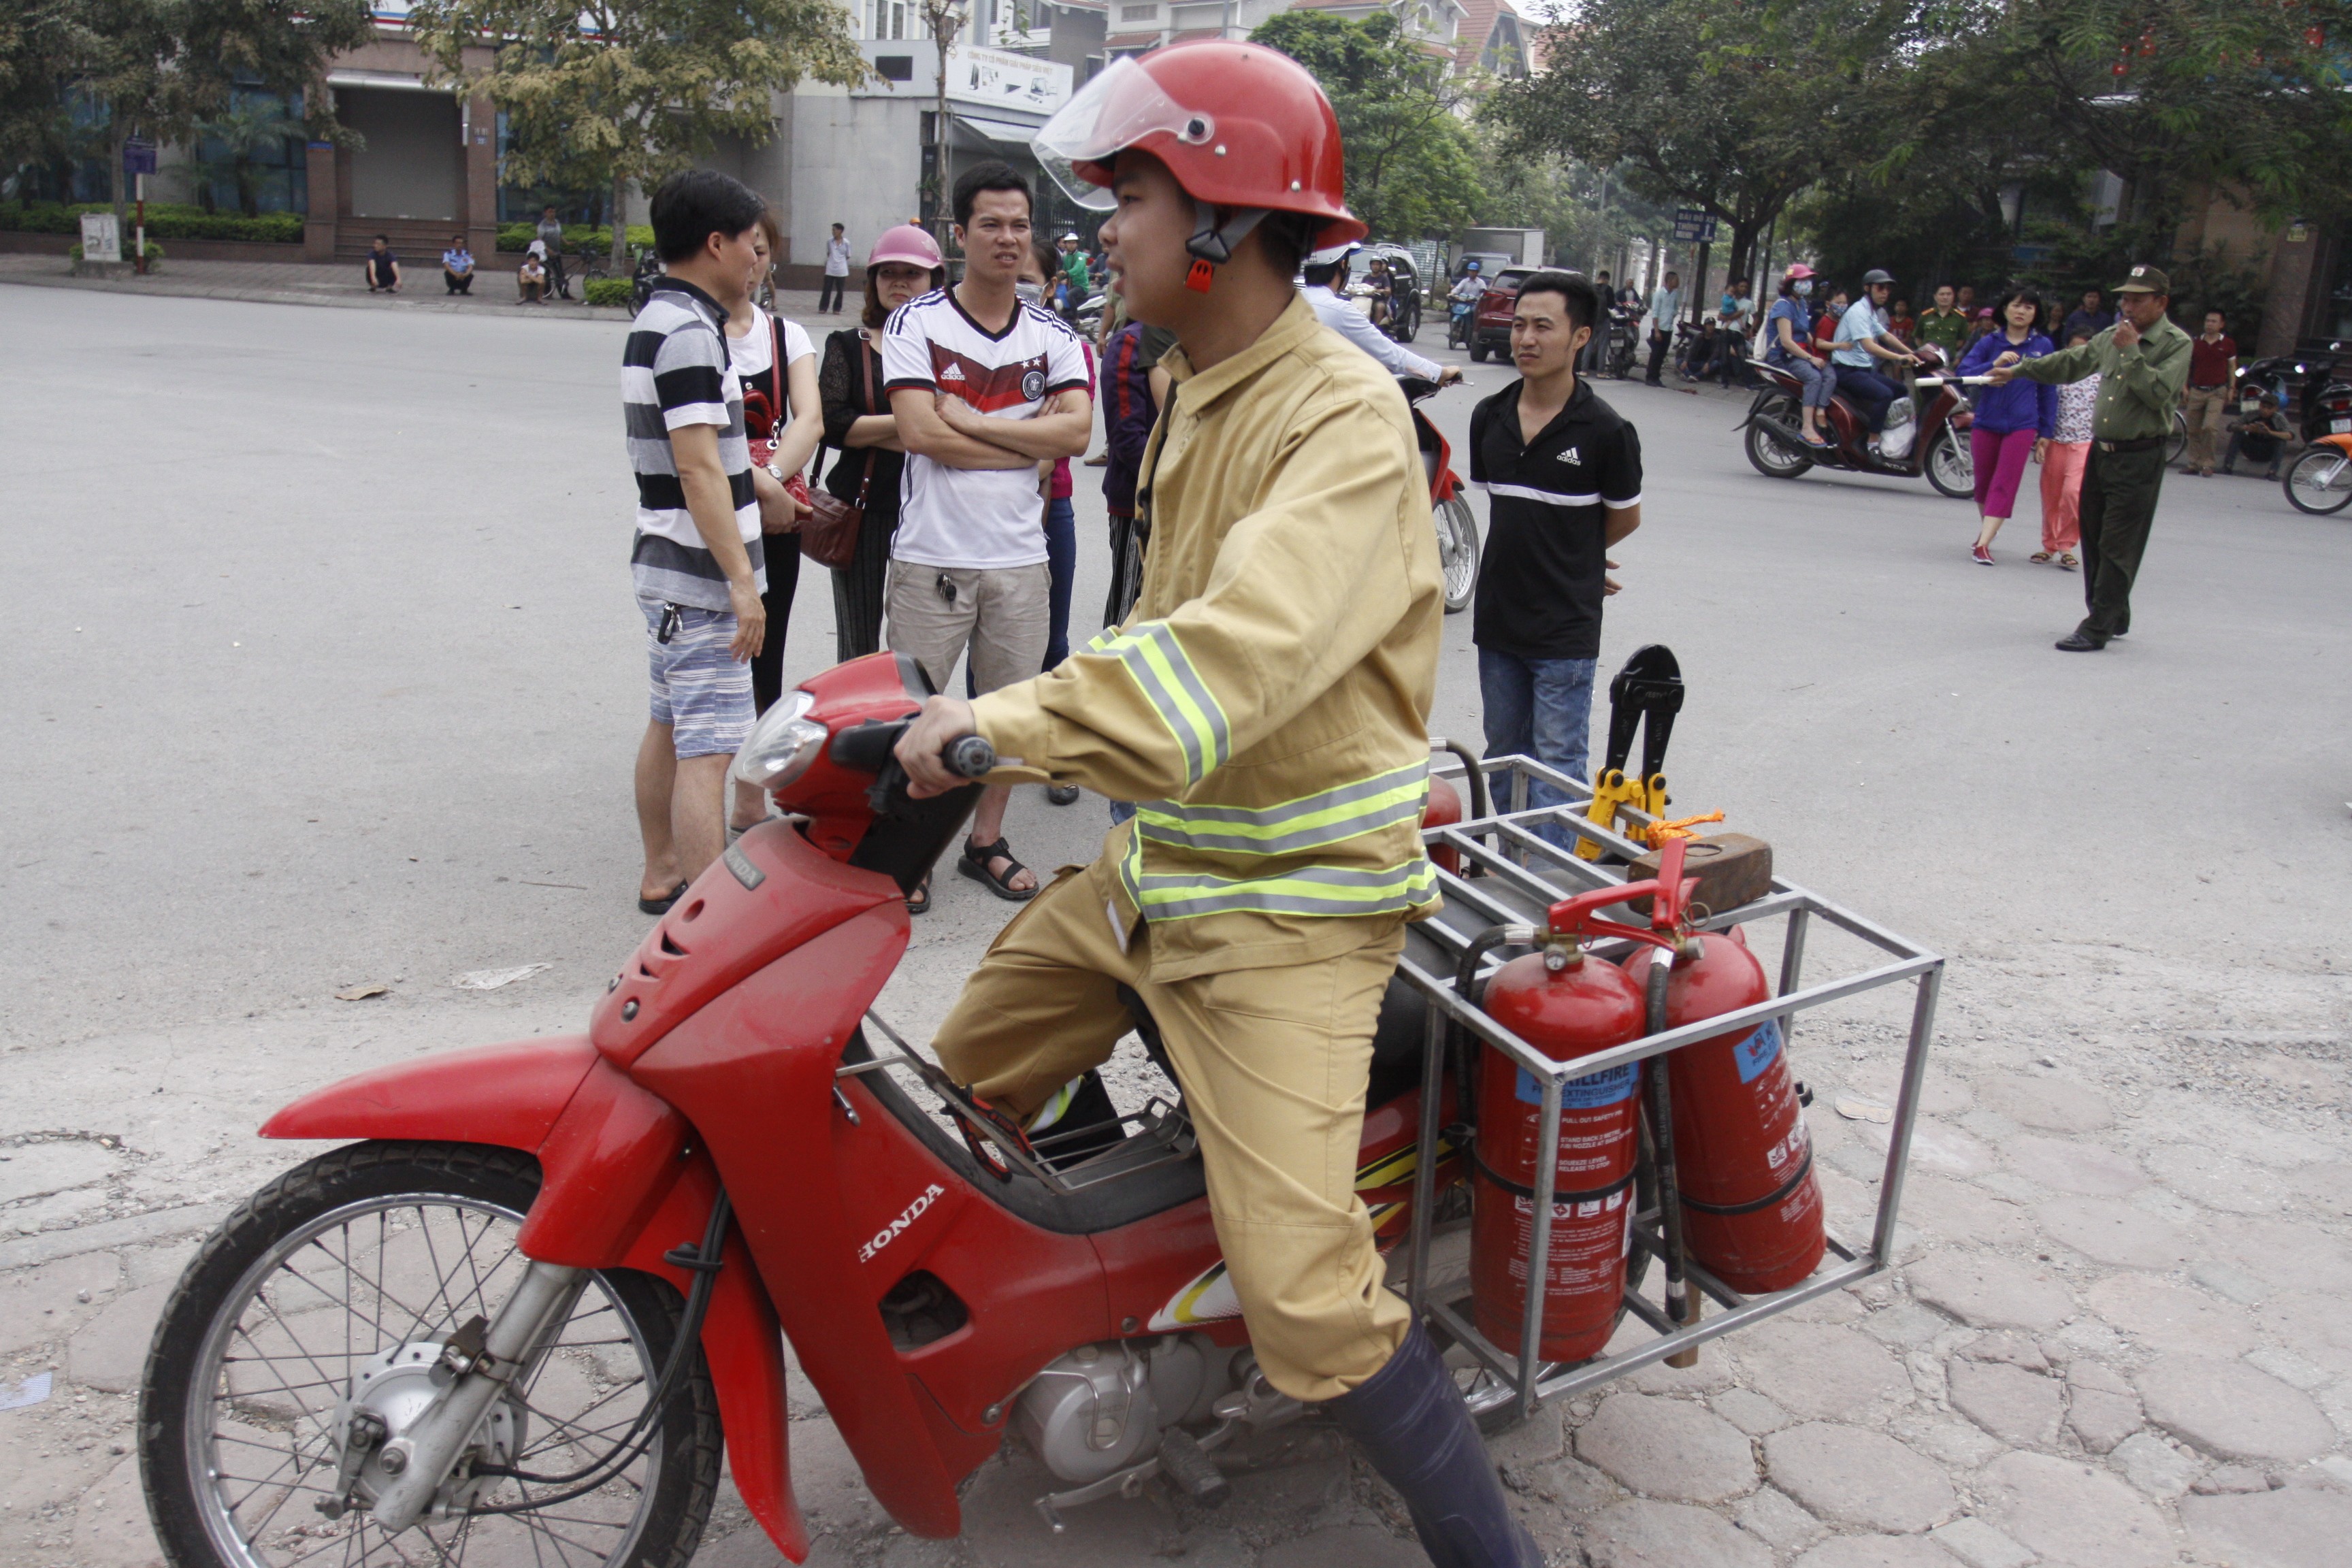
(1329, 890)
(1307, 822)
(1158, 664)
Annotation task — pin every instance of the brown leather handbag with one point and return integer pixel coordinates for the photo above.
(829, 537)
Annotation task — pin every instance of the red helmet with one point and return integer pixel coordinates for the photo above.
(1239, 125)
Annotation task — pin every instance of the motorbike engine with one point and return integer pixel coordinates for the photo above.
(1101, 1407)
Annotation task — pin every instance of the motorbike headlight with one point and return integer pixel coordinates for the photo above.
(781, 745)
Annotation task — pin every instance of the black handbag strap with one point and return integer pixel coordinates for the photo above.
(865, 357)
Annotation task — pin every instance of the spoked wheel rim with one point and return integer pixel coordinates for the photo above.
(1951, 467)
(1770, 455)
(1457, 549)
(334, 1293)
(2320, 483)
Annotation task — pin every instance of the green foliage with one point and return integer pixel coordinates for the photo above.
(167, 220)
(601, 95)
(610, 291)
(240, 135)
(154, 251)
(579, 238)
(1412, 167)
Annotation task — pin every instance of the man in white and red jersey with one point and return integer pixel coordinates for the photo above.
(984, 385)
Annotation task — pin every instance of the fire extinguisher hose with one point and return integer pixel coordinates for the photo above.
(1679, 1304)
(1465, 985)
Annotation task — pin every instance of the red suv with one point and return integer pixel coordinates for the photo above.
(1490, 324)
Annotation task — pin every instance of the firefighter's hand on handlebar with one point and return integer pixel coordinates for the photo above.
(922, 750)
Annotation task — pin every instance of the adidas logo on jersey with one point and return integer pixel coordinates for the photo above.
(1569, 456)
(951, 373)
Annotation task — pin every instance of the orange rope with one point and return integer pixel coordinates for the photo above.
(1658, 833)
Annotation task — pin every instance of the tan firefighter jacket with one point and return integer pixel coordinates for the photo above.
(1265, 703)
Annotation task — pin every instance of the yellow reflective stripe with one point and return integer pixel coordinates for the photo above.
(1100, 642)
(1308, 891)
(1310, 822)
(1053, 1109)
(1158, 664)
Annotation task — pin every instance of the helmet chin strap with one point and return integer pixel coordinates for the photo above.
(1211, 245)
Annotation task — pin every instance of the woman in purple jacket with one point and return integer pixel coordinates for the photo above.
(2013, 422)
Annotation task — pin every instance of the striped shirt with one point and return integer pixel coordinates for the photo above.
(676, 372)
(1541, 583)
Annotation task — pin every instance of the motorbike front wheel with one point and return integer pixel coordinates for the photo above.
(2320, 481)
(1768, 453)
(1457, 549)
(1951, 466)
(332, 1291)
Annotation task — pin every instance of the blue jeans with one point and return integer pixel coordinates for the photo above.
(1820, 384)
(1539, 708)
(1062, 557)
(1870, 393)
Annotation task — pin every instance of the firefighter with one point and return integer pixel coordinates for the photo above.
(1264, 702)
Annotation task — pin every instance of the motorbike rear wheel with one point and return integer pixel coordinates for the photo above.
(1768, 453)
(2319, 481)
(304, 1293)
(1951, 466)
(1457, 549)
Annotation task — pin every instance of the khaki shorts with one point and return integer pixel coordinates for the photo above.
(1004, 615)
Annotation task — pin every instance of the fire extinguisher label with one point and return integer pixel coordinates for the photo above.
(1758, 1051)
(1609, 1087)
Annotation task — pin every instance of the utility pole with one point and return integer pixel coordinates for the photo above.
(943, 17)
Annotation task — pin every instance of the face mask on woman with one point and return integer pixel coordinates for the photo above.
(1032, 292)
(1804, 287)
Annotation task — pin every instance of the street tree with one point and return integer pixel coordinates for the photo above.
(1734, 109)
(1412, 167)
(611, 93)
(943, 20)
(161, 68)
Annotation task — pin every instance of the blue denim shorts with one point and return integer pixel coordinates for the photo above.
(697, 686)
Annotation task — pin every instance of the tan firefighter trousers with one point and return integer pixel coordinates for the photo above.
(1273, 1064)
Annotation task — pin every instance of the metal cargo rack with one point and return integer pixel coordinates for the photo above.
(1513, 876)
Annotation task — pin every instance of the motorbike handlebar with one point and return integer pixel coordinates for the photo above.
(969, 757)
(867, 748)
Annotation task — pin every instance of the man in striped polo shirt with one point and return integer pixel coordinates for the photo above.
(1563, 473)
(696, 559)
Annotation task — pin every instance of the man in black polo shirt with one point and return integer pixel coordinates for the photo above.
(1563, 473)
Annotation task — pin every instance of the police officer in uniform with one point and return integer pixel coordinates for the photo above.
(2142, 363)
(1264, 703)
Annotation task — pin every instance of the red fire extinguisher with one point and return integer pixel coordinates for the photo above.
(1566, 1004)
(1751, 1207)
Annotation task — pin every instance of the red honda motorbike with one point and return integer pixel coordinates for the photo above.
(1939, 442)
(1457, 525)
(521, 1314)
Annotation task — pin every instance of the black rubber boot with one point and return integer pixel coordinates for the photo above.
(1411, 1423)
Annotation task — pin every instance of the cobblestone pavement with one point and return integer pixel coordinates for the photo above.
(2116, 1337)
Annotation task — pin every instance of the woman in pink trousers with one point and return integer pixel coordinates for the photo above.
(2012, 421)
(2062, 468)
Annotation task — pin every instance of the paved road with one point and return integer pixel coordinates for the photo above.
(323, 670)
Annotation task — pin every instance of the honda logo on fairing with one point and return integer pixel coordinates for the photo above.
(906, 1216)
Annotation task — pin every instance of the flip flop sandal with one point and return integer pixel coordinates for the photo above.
(660, 906)
(2068, 561)
(1816, 442)
(918, 902)
(975, 864)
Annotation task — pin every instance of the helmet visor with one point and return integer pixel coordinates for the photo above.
(1117, 110)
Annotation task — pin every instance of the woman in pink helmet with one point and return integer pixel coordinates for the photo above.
(1789, 344)
(859, 425)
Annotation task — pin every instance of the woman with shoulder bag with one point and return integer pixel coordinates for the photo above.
(859, 425)
(782, 424)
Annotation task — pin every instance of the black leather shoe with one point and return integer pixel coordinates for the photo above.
(2080, 642)
(1411, 1423)
(1062, 794)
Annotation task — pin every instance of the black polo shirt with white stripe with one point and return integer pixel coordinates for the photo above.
(1540, 586)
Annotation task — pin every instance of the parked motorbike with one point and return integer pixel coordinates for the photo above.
(1624, 339)
(1457, 525)
(524, 1313)
(2311, 385)
(1939, 419)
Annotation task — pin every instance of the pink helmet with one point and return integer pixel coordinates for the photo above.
(1798, 271)
(907, 244)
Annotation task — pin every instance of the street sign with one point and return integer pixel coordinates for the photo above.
(102, 237)
(137, 156)
(1693, 225)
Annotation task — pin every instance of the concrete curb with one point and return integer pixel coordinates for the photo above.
(168, 287)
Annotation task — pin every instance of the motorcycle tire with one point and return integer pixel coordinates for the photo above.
(1950, 465)
(1407, 323)
(2319, 482)
(1457, 551)
(1767, 453)
(392, 1224)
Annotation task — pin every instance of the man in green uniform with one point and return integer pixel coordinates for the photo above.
(2142, 363)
